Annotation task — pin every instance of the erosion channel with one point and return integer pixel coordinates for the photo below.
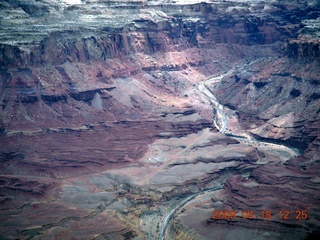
(135, 119)
(220, 121)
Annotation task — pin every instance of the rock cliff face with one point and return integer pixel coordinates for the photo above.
(100, 119)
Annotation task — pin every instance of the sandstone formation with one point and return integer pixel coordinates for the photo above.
(103, 130)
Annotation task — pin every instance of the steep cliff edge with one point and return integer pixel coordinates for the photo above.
(100, 120)
(53, 33)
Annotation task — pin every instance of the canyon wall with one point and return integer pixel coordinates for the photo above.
(93, 92)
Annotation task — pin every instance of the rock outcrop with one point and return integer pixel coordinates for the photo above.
(100, 120)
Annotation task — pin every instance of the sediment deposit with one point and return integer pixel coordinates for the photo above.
(104, 129)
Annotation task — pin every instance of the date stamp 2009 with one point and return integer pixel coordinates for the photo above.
(263, 214)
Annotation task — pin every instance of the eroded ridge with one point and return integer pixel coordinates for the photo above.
(107, 121)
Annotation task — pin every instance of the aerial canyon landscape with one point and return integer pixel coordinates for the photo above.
(163, 119)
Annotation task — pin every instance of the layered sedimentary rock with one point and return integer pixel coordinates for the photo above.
(291, 87)
(100, 120)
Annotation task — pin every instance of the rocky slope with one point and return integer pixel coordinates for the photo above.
(100, 120)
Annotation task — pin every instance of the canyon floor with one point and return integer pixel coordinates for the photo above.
(140, 119)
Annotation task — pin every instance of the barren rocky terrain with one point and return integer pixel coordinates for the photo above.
(138, 119)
